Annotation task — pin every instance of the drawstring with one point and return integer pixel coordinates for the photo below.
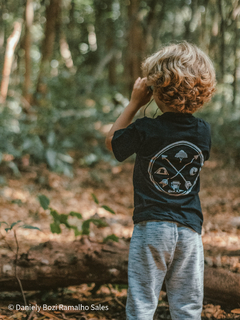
(148, 106)
(155, 112)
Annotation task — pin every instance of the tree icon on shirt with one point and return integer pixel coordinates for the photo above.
(181, 155)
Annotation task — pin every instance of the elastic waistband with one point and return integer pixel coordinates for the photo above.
(178, 224)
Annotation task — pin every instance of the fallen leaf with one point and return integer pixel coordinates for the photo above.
(237, 311)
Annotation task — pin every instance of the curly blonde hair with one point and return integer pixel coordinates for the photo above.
(182, 76)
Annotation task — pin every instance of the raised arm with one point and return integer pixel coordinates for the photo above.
(140, 96)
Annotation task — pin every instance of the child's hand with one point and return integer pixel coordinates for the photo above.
(140, 94)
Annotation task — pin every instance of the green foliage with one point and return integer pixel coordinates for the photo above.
(63, 126)
(95, 198)
(108, 209)
(27, 226)
(112, 237)
(44, 201)
(62, 219)
(120, 287)
(3, 222)
(55, 228)
(90, 88)
(12, 225)
(17, 201)
(98, 222)
(24, 226)
(75, 214)
(59, 219)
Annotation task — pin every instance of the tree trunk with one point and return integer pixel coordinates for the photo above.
(222, 46)
(204, 32)
(9, 54)
(29, 14)
(134, 51)
(153, 23)
(66, 53)
(188, 34)
(111, 45)
(112, 76)
(156, 26)
(99, 68)
(106, 42)
(2, 25)
(222, 54)
(52, 16)
(236, 62)
(51, 265)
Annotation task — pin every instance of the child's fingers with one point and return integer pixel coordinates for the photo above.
(141, 82)
(144, 82)
(138, 85)
(137, 81)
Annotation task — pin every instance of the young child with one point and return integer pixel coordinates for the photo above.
(170, 152)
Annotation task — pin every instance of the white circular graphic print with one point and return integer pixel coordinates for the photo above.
(175, 169)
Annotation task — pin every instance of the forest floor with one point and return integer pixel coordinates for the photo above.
(113, 187)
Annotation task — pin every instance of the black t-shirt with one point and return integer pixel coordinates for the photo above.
(170, 152)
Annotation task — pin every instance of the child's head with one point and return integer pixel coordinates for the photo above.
(182, 76)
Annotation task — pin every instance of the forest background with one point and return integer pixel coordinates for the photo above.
(76, 61)
(67, 68)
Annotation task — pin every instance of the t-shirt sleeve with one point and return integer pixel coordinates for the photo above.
(126, 142)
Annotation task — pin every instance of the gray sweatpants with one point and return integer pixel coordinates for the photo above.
(158, 250)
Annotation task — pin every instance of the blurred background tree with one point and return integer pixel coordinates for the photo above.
(73, 64)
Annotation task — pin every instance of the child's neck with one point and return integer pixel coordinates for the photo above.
(165, 108)
(162, 106)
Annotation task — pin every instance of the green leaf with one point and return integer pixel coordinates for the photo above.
(55, 228)
(51, 157)
(44, 201)
(67, 225)
(51, 138)
(85, 227)
(63, 218)
(86, 224)
(14, 168)
(75, 214)
(14, 223)
(76, 231)
(1, 222)
(112, 237)
(119, 287)
(54, 214)
(65, 158)
(17, 201)
(95, 198)
(108, 209)
(26, 226)
(99, 222)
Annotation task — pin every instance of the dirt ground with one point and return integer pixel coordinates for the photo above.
(112, 186)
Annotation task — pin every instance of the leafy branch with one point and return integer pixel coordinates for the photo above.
(62, 219)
